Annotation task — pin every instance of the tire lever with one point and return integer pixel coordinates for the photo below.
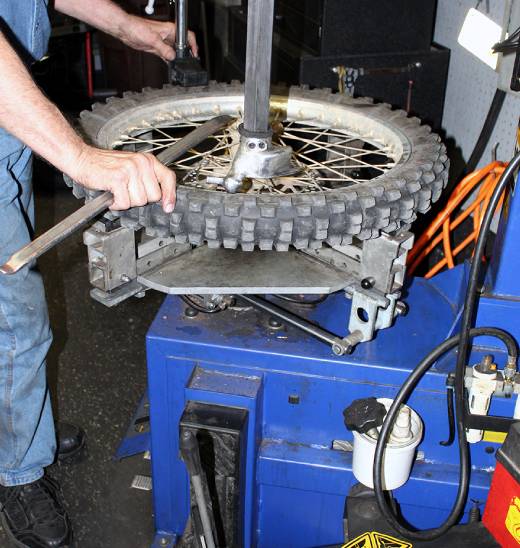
(94, 207)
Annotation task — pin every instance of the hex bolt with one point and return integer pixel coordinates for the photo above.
(367, 283)
(163, 541)
(125, 278)
(338, 351)
(191, 312)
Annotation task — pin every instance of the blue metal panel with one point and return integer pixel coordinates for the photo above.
(235, 391)
(135, 441)
(296, 484)
(505, 264)
(306, 488)
(297, 514)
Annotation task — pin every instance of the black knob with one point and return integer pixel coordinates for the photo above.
(365, 414)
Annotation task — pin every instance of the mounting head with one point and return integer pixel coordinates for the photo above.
(188, 72)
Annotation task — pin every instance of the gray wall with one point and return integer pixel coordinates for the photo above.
(472, 84)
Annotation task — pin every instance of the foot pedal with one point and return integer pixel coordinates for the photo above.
(144, 483)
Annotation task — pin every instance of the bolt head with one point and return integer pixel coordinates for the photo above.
(274, 323)
(191, 312)
(367, 283)
(340, 350)
(402, 308)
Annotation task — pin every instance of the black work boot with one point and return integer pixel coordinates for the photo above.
(71, 442)
(33, 515)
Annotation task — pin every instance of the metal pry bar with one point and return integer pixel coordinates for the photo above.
(96, 206)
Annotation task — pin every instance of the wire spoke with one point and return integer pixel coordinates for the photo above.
(327, 158)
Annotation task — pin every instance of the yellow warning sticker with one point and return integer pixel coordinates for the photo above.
(377, 540)
(513, 519)
(494, 437)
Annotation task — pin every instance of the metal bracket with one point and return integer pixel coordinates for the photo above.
(377, 267)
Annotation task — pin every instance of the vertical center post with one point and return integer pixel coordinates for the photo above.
(260, 20)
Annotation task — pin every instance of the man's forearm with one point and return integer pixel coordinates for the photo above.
(27, 114)
(102, 14)
(133, 178)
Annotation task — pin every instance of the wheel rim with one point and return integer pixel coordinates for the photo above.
(336, 146)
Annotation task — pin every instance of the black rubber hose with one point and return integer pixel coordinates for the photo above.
(403, 394)
(487, 130)
(462, 357)
(470, 300)
(468, 315)
(451, 414)
(198, 307)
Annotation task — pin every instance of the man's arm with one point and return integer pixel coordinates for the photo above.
(156, 37)
(26, 113)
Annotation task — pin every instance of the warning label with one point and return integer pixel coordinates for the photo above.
(377, 540)
(513, 519)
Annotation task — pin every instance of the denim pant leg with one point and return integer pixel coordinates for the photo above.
(27, 438)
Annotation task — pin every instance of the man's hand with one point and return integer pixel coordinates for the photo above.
(155, 37)
(143, 34)
(134, 179)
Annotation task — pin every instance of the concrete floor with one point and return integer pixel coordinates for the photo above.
(97, 375)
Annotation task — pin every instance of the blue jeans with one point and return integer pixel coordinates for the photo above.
(27, 438)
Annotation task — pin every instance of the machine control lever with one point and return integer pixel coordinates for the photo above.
(189, 447)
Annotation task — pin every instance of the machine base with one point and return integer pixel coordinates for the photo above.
(296, 476)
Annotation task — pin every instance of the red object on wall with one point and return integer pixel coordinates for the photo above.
(502, 512)
(88, 59)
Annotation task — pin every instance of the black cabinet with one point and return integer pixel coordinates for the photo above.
(331, 27)
(388, 43)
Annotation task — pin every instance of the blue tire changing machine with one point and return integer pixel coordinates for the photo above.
(292, 467)
(266, 400)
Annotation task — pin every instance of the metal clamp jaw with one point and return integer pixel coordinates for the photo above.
(116, 260)
(377, 269)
